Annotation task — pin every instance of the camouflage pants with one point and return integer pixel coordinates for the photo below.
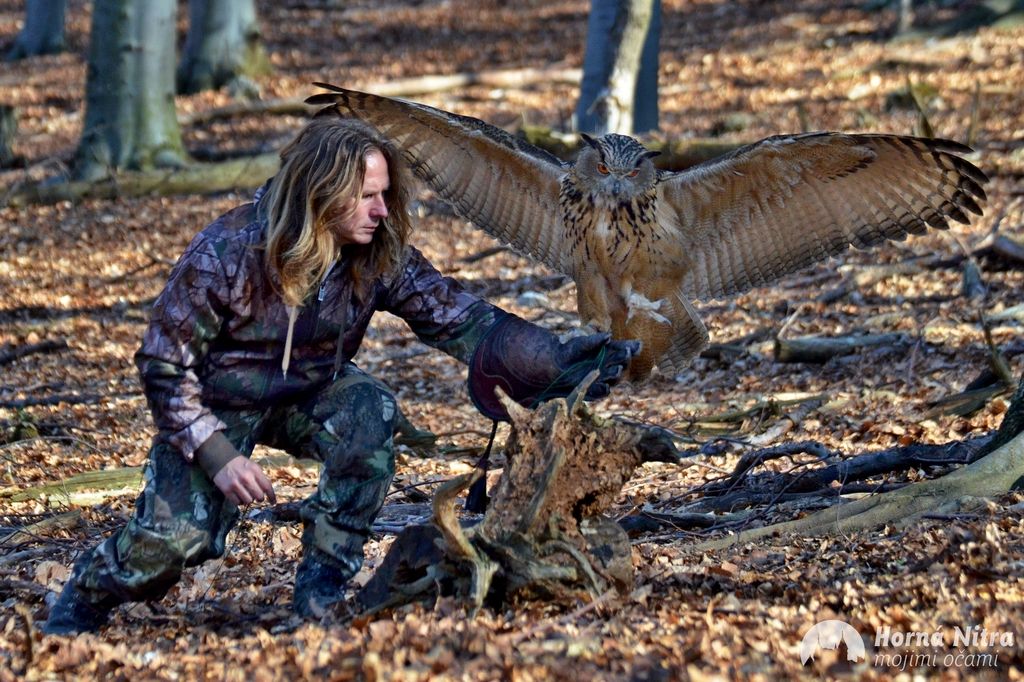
(181, 519)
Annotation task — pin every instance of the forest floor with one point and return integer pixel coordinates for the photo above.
(83, 275)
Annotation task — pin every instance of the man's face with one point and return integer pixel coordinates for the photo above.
(369, 207)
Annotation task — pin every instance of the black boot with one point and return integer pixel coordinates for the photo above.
(73, 613)
(319, 583)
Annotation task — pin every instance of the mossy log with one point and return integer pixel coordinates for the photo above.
(111, 481)
(675, 155)
(244, 173)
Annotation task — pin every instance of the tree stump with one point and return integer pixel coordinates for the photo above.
(544, 532)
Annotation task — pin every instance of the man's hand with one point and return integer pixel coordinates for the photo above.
(242, 481)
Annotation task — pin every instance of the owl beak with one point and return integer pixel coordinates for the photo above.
(617, 187)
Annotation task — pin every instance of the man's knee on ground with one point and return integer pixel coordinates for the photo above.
(364, 419)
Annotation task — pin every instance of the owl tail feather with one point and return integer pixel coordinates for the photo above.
(689, 336)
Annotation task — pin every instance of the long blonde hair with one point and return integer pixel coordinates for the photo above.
(325, 166)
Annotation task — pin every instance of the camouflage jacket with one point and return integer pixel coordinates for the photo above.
(217, 333)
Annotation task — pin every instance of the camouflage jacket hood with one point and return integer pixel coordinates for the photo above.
(217, 335)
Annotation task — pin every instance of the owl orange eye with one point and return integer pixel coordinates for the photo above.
(633, 173)
(602, 169)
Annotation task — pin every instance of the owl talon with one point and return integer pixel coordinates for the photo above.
(579, 332)
(641, 304)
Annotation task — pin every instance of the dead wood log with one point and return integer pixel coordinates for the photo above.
(245, 173)
(66, 399)
(545, 531)
(104, 480)
(820, 349)
(399, 87)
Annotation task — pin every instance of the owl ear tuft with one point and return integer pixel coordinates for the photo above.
(589, 140)
(650, 154)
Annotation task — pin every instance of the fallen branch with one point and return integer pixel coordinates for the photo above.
(789, 420)
(735, 347)
(761, 409)
(12, 587)
(1005, 249)
(486, 253)
(55, 399)
(990, 476)
(34, 530)
(861, 277)
(8, 354)
(820, 349)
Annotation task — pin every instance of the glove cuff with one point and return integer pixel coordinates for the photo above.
(514, 355)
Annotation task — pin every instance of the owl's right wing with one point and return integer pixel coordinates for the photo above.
(500, 183)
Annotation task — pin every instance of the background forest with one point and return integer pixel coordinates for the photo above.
(78, 274)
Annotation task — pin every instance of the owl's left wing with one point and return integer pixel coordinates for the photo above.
(780, 204)
(502, 184)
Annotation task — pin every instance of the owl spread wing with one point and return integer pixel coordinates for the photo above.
(775, 206)
(502, 184)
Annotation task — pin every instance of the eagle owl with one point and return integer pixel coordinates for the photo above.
(642, 243)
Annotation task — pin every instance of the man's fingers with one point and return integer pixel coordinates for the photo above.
(267, 487)
(260, 484)
(252, 486)
(240, 494)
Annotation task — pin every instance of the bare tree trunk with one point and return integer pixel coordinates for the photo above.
(906, 16)
(43, 32)
(8, 130)
(130, 120)
(619, 92)
(222, 48)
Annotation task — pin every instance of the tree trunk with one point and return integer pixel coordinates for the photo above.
(222, 47)
(905, 20)
(130, 120)
(619, 91)
(8, 130)
(43, 32)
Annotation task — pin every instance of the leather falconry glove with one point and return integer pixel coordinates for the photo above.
(531, 365)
